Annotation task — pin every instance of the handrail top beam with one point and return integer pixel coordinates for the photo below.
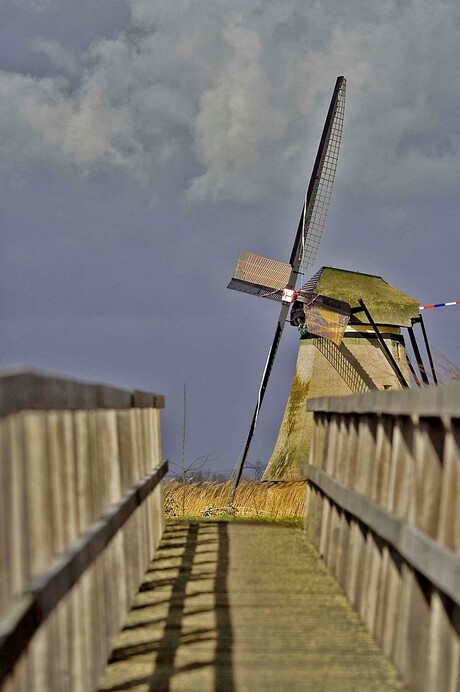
(22, 390)
(432, 401)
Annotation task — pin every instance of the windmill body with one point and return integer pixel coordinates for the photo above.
(357, 364)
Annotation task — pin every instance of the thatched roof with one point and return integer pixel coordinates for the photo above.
(386, 303)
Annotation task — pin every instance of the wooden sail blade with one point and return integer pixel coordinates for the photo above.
(318, 195)
(259, 276)
(325, 323)
(320, 315)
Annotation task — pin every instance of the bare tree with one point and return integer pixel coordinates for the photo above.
(451, 370)
(185, 472)
(258, 469)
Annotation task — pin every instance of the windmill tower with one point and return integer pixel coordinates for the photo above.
(357, 363)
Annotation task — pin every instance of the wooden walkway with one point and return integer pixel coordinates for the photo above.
(243, 607)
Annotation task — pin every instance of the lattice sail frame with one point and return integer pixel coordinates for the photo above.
(261, 270)
(316, 208)
(260, 276)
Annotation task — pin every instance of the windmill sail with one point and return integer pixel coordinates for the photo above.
(308, 236)
(326, 323)
(260, 276)
(320, 315)
(318, 195)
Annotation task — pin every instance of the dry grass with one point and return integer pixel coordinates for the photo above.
(269, 501)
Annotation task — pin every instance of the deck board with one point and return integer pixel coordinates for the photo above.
(243, 607)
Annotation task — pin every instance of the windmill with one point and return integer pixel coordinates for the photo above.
(277, 280)
(370, 354)
(347, 344)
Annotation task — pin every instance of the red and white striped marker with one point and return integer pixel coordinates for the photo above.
(438, 305)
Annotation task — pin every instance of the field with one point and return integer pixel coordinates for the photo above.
(253, 500)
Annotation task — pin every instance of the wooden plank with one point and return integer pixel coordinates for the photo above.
(14, 628)
(355, 563)
(274, 622)
(28, 390)
(380, 479)
(400, 500)
(444, 645)
(398, 473)
(47, 589)
(449, 507)
(6, 492)
(388, 610)
(373, 574)
(60, 470)
(147, 400)
(433, 401)
(85, 517)
(437, 563)
(428, 472)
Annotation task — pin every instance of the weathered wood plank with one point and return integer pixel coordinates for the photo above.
(208, 618)
(48, 588)
(398, 556)
(28, 390)
(437, 563)
(432, 401)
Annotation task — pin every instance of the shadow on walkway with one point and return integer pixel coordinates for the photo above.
(180, 623)
(247, 607)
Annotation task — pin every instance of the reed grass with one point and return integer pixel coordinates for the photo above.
(253, 500)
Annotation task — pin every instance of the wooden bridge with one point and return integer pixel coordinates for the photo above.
(367, 598)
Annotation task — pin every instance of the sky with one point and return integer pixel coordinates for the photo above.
(144, 142)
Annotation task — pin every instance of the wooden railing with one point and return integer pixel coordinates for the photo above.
(384, 511)
(81, 515)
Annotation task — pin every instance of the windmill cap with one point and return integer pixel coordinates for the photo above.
(386, 304)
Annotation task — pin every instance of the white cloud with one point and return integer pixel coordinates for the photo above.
(238, 91)
(50, 126)
(237, 121)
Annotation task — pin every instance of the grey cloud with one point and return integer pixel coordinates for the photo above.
(41, 122)
(35, 5)
(58, 56)
(241, 93)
